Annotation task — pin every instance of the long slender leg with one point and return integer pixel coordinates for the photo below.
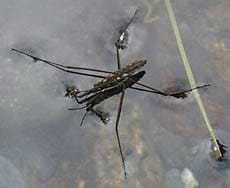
(118, 117)
(173, 94)
(79, 108)
(118, 58)
(83, 118)
(75, 72)
(189, 90)
(145, 90)
(117, 132)
(57, 64)
(131, 20)
(146, 86)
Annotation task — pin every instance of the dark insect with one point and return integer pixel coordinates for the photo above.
(116, 82)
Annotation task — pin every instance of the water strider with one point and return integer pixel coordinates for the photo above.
(113, 83)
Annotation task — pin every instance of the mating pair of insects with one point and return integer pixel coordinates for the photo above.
(114, 83)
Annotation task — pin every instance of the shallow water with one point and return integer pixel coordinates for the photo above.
(164, 140)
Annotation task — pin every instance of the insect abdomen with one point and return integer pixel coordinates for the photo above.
(121, 86)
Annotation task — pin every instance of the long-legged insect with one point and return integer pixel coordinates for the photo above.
(114, 83)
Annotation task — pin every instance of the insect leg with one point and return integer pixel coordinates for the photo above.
(79, 108)
(63, 67)
(87, 92)
(145, 90)
(83, 118)
(174, 94)
(118, 57)
(131, 20)
(119, 114)
(117, 132)
(189, 90)
(153, 89)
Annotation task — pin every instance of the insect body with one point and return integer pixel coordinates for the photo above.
(109, 92)
(104, 94)
(123, 72)
(115, 77)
